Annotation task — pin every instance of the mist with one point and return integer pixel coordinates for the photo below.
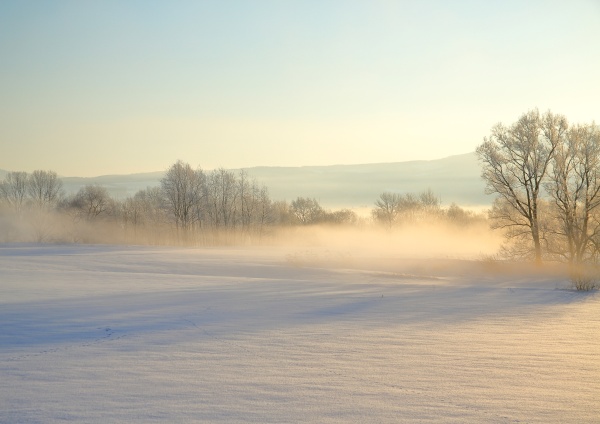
(434, 247)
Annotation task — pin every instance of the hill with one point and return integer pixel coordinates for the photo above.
(454, 179)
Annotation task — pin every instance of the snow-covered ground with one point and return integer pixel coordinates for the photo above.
(101, 334)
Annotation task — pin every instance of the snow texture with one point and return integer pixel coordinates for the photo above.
(101, 334)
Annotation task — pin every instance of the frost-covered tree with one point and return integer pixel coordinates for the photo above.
(575, 189)
(393, 208)
(515, 160)
(222, 194)
(44, 188)
(387, 208)
(13, 190)
(307, 211)
(183, 189)
(92, 202)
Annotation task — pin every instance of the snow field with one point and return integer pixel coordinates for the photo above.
(140, 334)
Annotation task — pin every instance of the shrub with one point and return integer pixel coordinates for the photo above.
(584, 280)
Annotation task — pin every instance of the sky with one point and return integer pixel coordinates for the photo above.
(92, 88)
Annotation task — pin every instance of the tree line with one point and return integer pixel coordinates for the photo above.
(190, 206)
(396, 209)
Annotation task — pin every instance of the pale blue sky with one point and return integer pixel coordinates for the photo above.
(102, 87)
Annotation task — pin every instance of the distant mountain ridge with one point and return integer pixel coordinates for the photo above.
(119, 186)
(454, 179)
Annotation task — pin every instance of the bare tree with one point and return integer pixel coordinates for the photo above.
(45, 191)
(265, 211)
(44, 188)
(282, 213)
(154, 213)
(430, 203)
(248, 198)
(410, 208)
(307, 211)
(387, 208)
(454, 214)
(183, 187)
(515, 161)
(575, 189)
(393, 208)
(341, 217)
(14, 190)
(92, 202)
(131, 214)
(222, 195)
